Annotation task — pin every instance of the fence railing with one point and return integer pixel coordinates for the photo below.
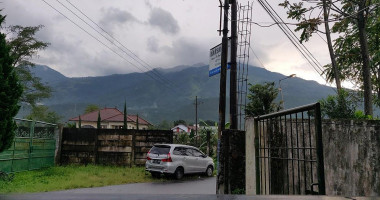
(289, 152)
(33, 147)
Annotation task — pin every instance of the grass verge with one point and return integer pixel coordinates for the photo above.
(73, 176)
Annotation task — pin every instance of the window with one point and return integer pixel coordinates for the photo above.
(189, 152)
(197, 153)
(117, 127)
(179, 151)
(160, 149)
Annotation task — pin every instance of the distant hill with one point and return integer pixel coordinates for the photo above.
(158, 101)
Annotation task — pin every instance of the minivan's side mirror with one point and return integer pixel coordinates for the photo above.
(203, 156)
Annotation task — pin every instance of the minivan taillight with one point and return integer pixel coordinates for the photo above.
(168, 159)
(148, 158)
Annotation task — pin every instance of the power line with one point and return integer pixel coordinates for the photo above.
(302, 46)
(97, 39)
(317, 22)
(113, 43)
(257, 57)
(131, 52)
(293, 38)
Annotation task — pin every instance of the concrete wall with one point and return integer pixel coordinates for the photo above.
(231, 175)
(351, 157)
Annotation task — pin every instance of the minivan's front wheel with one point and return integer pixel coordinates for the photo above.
(209, 171)
(178, 174)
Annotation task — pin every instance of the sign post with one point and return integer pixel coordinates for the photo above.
(215, 61)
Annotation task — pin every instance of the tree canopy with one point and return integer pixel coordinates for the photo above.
(91, 108)
(10, 93)
(340, 106)
(23, 47)
(42, 113)
(261, 99)
(356, 49)
(180, 121)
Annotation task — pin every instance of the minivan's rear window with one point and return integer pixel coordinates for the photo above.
(160, 149)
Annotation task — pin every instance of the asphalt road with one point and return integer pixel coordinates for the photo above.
(202, 188)
(201, 185)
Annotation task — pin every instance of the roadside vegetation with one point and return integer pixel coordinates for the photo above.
(78, 176)
(73, 176)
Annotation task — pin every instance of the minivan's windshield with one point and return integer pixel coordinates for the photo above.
(160, 149)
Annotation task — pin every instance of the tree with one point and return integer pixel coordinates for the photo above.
(91, 108)
(340, 106)
(10, 93)
(42, 113)
(80, 122)
(98, 125)
(164, 125)
(207, 123)
(309, 25)
(351, 48)
(125, 116)
(25, 46)
(354, 20)
(261, 99)
(180, 121)
(137, 121)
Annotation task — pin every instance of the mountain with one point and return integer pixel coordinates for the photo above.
(47, 74)
(170, 97)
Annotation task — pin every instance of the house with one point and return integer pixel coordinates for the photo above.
(180, 128)
(111, 118)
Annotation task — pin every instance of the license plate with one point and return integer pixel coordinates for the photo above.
(156, 161)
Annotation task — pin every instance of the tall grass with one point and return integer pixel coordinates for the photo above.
(73, 176)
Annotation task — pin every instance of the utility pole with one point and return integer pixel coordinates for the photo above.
(223, 72)
(233, 72)
(196, 118)
(222, 92)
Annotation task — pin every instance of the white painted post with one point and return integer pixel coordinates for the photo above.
(250, 162)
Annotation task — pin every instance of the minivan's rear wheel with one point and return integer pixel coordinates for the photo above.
(209, 171)
(178, 174)
(155, 174)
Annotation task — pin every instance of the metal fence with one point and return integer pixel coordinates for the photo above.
(289, 152)
(33, 147)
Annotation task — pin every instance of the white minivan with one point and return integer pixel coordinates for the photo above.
(177, 160)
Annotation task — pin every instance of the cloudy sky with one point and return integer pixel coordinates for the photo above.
(163, 33)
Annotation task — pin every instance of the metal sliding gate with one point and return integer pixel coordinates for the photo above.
(289, 152)
(33, 147)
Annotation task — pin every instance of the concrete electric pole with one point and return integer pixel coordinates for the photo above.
(233, 72)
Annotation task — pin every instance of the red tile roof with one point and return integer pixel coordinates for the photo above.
(109, 115)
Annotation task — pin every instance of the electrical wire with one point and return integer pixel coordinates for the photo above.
(163, 81)
(318, 22)
(108, 47)
(257, 57)
(293, 38)
(139, 60)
